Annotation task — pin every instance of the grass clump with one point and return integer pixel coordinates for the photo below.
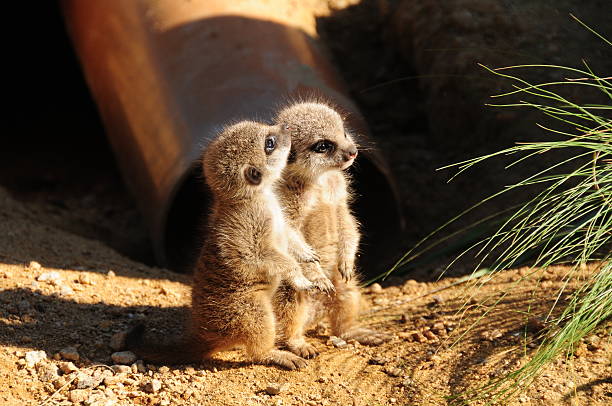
(569, 221)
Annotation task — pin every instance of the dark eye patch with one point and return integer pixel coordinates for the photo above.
(323, 146)
(270, 144)
(252, 175)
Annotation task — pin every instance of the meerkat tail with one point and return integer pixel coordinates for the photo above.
(181, 351)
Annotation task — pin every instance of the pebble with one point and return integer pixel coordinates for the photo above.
(124, 357)
(375, 288)
(337, 342)
(378, 360)
(84, 279)
(85, 381)
(67, 367)
(47, 372)
(66, 291)
(117, 341)
(52, 277)
(78, 395)
(152, 386)
(140, 367)
(69, 353)
(34, 357)
(110, 274)
(491, 335)
(121, 369)
(59, 382)
(276, 388)
(33, 265)
(393, 371)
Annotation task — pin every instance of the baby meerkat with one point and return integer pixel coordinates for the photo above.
(249, 249)
(315, 194)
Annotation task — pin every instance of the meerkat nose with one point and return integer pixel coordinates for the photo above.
(350, 154)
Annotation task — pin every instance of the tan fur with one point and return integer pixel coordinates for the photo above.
(246, 252)
(315, 194)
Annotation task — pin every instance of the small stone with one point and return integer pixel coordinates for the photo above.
(121, 369)
(393, 371)
(375, 288)
(378, 360)
(430, 335)
(117, 341)
(66, 291)
(418, 337)
(153, 386)
(276, 388)
(337, 342)
(34, 357)
(47, 372)
(70, 353)
(84, 381)
(52, 278)
(67, 367)
(59, 382)
(110, 274)
(437, 299)
(78, 396)
(491, 335)
(33, 265)
(165, 369)
(124, 357)
(379, 301)
(392, 400)
(85, 279)
(140, 367)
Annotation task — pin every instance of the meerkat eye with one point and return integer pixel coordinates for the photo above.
(323, 146)
(270, 144)
(252, 175)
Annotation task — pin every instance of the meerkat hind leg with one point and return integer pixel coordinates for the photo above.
(343, 314)
(259, 338)
(291, 309)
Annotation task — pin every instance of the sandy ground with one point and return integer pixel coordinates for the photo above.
(67, 296)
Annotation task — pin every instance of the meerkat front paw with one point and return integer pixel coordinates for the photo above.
(301, 283)
(307, 256)
(346, 269)
(315, 274)
(285, 359)
(324, 284)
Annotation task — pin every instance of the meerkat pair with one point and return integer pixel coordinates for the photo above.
(249, 249)
(268, 243)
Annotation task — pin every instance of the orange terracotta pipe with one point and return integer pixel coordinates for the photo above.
(166, 74)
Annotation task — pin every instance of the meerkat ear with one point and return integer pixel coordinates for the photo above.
(252, 175)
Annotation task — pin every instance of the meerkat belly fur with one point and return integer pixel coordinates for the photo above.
(315, 193)
(249, 249)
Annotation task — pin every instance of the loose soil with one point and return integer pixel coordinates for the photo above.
(97, 293)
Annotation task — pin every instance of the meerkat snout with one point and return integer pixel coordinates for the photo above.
(320, 141)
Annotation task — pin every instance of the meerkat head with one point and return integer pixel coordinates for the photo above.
(245, 158)
(319, 140)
